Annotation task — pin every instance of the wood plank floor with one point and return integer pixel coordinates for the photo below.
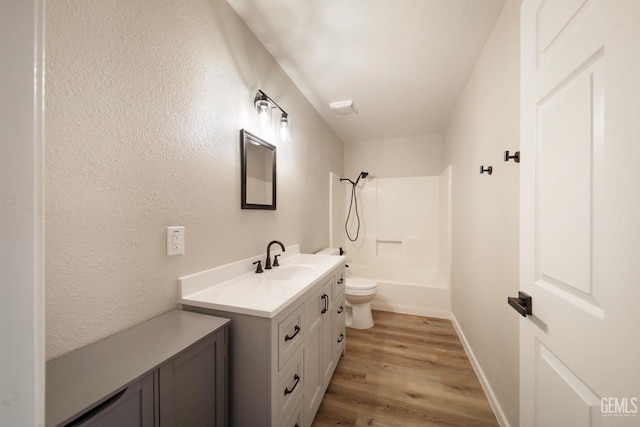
(405, 371)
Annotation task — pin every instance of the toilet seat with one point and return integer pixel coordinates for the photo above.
(360, 284)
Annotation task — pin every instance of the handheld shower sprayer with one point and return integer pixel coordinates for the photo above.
(354, 197)
(361, 175)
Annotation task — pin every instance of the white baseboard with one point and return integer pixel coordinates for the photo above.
(493, 401)
(410, 309)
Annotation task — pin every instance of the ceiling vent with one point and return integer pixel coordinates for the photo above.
(343, 108)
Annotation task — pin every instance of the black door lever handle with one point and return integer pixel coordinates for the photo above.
(523, 304)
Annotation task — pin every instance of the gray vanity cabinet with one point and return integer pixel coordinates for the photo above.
(130, 407)
(192, 387)
(170, 371)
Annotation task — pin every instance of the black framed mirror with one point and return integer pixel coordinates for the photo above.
(258, 172)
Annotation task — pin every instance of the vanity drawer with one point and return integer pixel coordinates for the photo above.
(290, 335)
(296, 418)
(290, 386)
(341, 305)
(340, 282)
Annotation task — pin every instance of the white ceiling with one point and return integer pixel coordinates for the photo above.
(402, 62)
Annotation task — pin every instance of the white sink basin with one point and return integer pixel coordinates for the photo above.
(237, 288)
(289, 272)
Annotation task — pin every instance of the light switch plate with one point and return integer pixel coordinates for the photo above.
(175, 241)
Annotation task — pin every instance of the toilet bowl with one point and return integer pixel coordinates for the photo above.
(359, 292)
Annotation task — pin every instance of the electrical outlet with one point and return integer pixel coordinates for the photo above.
(175, 241)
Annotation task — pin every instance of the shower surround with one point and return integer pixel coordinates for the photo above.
(404, 242)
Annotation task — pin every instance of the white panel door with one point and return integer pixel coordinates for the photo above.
(580, 213)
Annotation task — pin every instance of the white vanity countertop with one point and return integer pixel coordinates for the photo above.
(237, 288)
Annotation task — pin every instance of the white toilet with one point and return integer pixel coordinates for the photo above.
(359, 293)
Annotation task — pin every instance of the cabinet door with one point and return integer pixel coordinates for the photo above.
(314, 306)
(130, 407)
(192, 386)
(328, 339)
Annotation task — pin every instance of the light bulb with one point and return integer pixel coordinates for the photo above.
(284, 128)
(264, 112)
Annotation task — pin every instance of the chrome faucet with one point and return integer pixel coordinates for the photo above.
(267, 263)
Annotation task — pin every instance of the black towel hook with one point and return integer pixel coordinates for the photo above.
(515, 157)
(488, 169)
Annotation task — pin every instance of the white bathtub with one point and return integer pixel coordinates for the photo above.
(423, 293)
(404, 242)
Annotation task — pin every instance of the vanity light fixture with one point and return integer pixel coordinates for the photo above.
(264, 105)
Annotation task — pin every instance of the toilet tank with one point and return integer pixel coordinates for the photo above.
(329, 251)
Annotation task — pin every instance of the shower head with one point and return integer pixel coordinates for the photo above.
(362, 175)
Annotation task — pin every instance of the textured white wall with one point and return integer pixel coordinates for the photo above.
(145, 101)
(393, 158)
(485, 123)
